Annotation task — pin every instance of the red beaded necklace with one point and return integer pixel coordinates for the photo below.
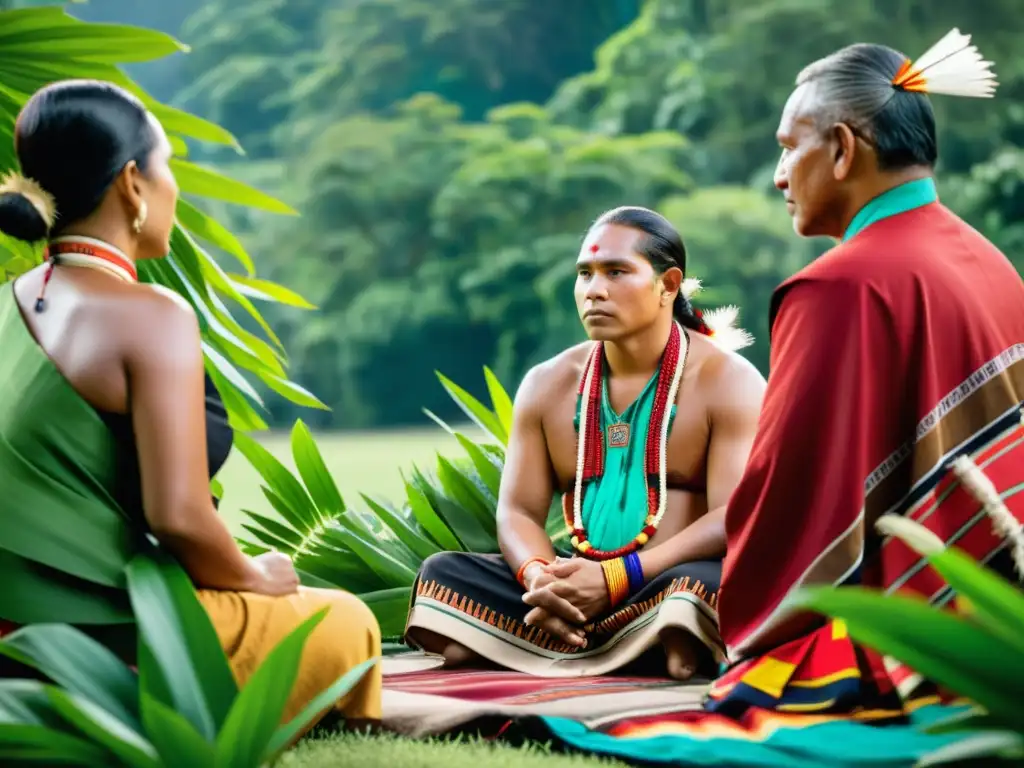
(89, 253)
(590, 444)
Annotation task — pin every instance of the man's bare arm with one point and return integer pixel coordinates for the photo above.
(736, 390)
(526, 482)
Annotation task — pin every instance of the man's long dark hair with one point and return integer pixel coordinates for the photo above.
(663, 247)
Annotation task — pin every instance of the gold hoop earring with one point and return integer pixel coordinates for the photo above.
(140, 220)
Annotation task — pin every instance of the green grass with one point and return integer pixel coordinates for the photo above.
(360, 462)
(393, 752)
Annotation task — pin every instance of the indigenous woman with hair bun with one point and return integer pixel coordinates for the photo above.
(643, 433)
(107, 413)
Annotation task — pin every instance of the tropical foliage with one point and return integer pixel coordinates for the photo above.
(29, 59)
(376, 549)
(977, 652)
(181, 708)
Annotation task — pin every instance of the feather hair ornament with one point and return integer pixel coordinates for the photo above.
(724, 332)
(952, 67)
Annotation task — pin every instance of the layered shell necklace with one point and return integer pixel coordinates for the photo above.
(590, 443)
(89, 253)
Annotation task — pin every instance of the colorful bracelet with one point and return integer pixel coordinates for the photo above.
(634, 572)
(617, 579)
(521, 574)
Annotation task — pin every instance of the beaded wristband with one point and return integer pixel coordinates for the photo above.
(521, 574)
(634, 572)
(617, 580)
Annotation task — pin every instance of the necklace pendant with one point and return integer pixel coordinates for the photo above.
(618, 435)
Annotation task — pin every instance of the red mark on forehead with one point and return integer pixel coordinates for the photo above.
(594, 248)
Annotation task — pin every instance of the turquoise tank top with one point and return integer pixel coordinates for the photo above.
(615, 504)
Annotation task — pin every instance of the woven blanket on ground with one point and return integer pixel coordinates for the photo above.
(642, 720)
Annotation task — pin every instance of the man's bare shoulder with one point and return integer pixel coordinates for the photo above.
(725, 377)
(554, 376)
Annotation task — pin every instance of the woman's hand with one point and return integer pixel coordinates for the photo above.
(277, 575)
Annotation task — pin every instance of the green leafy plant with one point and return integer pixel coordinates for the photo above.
(376, 550)
(182, 708)
(30, 58)
(977, 652)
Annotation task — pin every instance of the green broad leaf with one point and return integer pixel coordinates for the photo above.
(22, 20)
(392, 571)
(391, 607)
(340, 567)
(104, 729)
(173, 737)
(25, 702)
(267, 538)
(78, 664)
(481, 415)
(307, 579)
(488, 469)
(290, 731)
(501, 400)
(995, 603)
(107, 43)
(279, 531)
(178, 145)
(463, 490)
(1006, 745)
(241, 415)
(298, 524)
(439, 421)
(183, 642)
(456, 504)
(222, 365)
(216, 489)
(280, 481)
(938, 645)
(212, 231)
(314, 473)
(293, 392)
(432, 523)
(417, 543)
(218, 279)
(177, 121)
(254, 717)
(21, 744)
(264, 290)
(196, 180)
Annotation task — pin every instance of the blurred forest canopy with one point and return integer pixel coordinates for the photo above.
(448, 155)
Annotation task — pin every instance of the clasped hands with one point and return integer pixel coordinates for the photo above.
(564, 596)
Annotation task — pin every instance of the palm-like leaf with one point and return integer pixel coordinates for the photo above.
(183, 708)
(29, 59)
(375, 551)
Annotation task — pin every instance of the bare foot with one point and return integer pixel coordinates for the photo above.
(682, 653)
(455, 654)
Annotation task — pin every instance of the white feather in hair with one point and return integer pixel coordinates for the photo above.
(952, 67)
(724, 333)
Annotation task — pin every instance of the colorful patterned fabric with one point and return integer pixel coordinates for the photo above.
(650, 720)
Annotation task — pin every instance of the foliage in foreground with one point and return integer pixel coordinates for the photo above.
(978, 653)
(183, 707)
(376, 551)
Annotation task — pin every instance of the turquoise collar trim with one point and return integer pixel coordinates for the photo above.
(905, 197)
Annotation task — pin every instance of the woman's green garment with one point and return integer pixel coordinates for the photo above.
(64, 539)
